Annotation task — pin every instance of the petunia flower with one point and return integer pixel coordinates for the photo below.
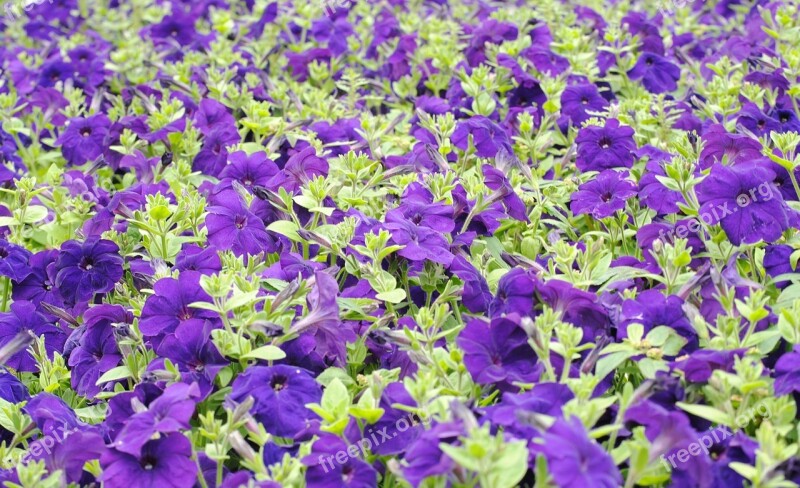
(97, 351)
(652, 309)
(324, 468)
(255, 169)
(14, 261)
(281, 394)
(744, 200)
(168, 307)
(576, 103)
(574, 459)
(607, 147)
(164, 461)
(787, 373)
(498, 352)
(603, 196)
(777, 262)
(514, 294)
(232, 225)
(167, 414)
(719, 143)
(658, 75)
(424, 458)
(191, 349)
(19, 326)
(323, 322)
(84, 269)
(84, 139)
(487, 137)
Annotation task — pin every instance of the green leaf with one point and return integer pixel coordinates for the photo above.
(286, 228)
(607, 364)
(267, 353)
(336, 398)
(395, 296)
(117, 373)
(34, 214)
(707, 412)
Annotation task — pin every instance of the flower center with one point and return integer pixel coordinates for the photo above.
(604, 142)
(86, 132)
(240, 221)
(606, 196)
(86, 264)
(278, 382)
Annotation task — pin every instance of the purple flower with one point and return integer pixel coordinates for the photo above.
(487, 137)
(658, 75)
(324, 471)
(669, 432)
(653, 193)
(603, 196)
(165, 461)
(281, 393)
(514, 294)
(232, 225)
(19, 326)
(607, 147)
(84, 139)
(777, 262)
(544, 398)
(476, 295)
(787, 373)
(168, 413)
(97, 350)
(212, 115)
(420, 242)
(719, 143)
(255, 169)
(424, 458)
(176, 27)
(51, 414)
(491, 31)
(194, 258)
(12, 389)
(578, 100)
(195, 354)
(169, 306)
(756, 121)
(700, 364)
(498, 182)
(323, 323)
(546, 61)
(86, 268)
(652, 309)
(573, 459)
(14, 261)
(302, 167)
(498, 352)
(744, 200)
(212, 157)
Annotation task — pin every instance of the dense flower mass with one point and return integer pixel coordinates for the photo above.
(426, 244)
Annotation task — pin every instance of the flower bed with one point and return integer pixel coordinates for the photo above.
(401, 243)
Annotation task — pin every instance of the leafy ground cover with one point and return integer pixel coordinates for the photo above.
(399, 243)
